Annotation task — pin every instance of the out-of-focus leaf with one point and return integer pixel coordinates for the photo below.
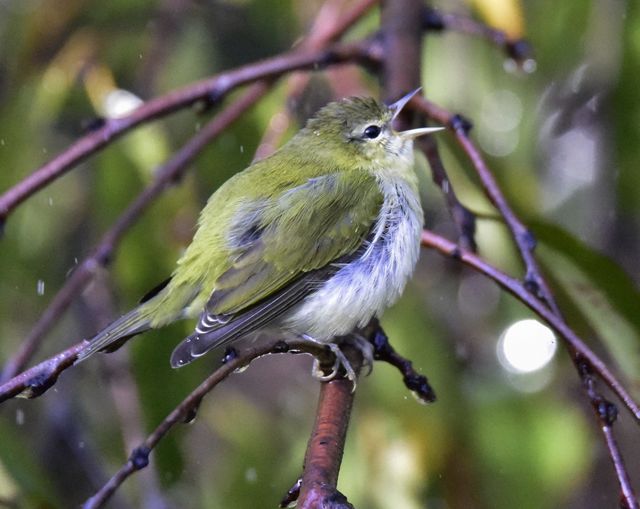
(626, 106)
(524, 447)
(599, 288)
(18, 458)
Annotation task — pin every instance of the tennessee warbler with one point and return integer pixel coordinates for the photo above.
(314, 240)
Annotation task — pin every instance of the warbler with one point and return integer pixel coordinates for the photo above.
(314, 240)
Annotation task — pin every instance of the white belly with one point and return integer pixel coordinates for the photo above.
(368, 285)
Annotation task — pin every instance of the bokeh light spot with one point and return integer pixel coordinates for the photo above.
(526, 346)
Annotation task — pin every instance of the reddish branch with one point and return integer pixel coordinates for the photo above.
(326, 444)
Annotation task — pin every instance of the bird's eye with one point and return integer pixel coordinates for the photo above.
(372, 132)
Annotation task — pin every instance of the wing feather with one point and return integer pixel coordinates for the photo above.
(282, 252)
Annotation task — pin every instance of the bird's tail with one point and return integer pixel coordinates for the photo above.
(110, 338)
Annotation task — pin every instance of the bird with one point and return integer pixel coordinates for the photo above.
(312, 241)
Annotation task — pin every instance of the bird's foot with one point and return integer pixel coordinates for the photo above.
(342, 361)
(365, 347)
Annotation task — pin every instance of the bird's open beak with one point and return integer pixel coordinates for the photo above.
(420, 131)
(397, 107)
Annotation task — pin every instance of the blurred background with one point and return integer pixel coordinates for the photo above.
(511, 427)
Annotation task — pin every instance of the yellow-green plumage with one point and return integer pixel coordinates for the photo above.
(274, 234)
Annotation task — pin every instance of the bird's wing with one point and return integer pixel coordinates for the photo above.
(282, 248)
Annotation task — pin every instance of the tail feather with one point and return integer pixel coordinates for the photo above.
(134, 322)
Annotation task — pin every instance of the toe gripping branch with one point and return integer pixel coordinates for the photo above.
(360, 350)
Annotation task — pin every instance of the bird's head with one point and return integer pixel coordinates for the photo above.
(360, 128)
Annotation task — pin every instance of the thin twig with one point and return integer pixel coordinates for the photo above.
(383, 351)
(463, 218)
(186, 410)
(515, 48)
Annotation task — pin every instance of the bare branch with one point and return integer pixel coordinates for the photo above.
(515, 48)
(519, 290)
(583, 357)
(417, 384)
(534, 283)
(463, 218)
(211, 90)
(38, 379)
(185, 411)
(322, 461)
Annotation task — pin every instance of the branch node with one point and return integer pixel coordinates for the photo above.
(209, 101)
(336, 501)
(381, 346)
(89, 125)
(281, 347)
(419, 387)
(607, 411)
(192, 413)
(139, 458)
(461, 124)
(583, 365)
(531, 284)
(519, 50)
(432, 20)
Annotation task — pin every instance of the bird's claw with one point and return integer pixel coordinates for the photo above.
(341, 360)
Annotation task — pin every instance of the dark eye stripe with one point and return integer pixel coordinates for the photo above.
(372, 131)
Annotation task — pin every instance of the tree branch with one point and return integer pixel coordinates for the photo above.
(211, 90)
(463, 218)
(515, 48)
(186, 410)
(584, 358)
(534, 284)
(326, 445)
